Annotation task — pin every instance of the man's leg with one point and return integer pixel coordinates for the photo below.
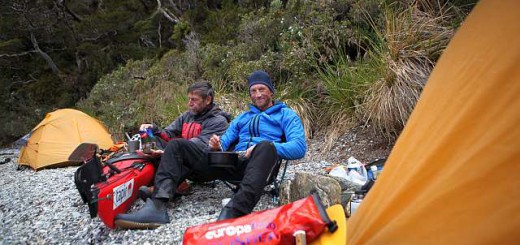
(261, 164)
(180, 158)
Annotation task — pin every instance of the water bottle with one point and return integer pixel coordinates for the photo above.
(354, 203)
(374, 171)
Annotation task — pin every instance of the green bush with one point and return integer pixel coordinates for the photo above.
(113, 100)
(337, 64)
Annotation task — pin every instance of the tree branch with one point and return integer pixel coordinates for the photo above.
(145, 5)
(170, 16)
(18, 54)
(19, 84)
(75, 16)
(159, 34)
(45, 56)
(175, 8)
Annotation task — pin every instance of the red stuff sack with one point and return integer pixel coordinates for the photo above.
(118, 192)
(110, 187)
(273, 226)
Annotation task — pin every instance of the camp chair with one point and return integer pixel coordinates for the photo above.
(272, 184)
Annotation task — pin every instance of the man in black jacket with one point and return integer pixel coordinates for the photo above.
(184, 156)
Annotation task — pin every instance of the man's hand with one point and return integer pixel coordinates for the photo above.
(144, 126)
(249, 150)
(155, 129)
(214, 143)
(152, 153)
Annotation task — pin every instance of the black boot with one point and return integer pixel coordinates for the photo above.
(226, 213)
(150, 216)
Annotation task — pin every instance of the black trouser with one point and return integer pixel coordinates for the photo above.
(256, 172)
(183, 159)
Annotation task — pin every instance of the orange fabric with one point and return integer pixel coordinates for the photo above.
(452, 177)
(117, 146)
(58, 134)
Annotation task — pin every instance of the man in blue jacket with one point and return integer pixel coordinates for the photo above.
(267, 131)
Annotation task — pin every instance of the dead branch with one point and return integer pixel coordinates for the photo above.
(166, 13)
(45, 56)
(63, 4)
(159, 34)
(18, 54)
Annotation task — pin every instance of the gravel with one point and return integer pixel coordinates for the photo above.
(44, 207)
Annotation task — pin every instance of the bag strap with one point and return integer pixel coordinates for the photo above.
(331, 224)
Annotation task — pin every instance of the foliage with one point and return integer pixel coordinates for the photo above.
(372, 70)
(403, 55)
(337, 63)
(109, 100)
(64, 47)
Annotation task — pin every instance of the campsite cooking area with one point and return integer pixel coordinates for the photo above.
(44, 207)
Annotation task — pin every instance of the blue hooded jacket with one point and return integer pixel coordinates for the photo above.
(274, 124)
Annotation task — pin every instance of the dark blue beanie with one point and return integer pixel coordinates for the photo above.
(260, 77)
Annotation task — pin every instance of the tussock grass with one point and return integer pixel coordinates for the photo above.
(382, 88)
(343, 84)
(339, 124)
(300, 97)
(403, 52)
(306, 110)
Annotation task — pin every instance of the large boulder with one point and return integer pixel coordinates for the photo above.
(301, 186)
(332, 190)
(347, 189)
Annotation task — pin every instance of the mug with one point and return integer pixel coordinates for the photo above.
(133, 145)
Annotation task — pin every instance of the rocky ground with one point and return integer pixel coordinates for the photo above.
(44, 207)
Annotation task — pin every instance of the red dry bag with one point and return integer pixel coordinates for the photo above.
(273, 226)
(110, 187)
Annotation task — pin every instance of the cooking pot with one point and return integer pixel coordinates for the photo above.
(227, 159)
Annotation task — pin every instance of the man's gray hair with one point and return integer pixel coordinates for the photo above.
(202, 88)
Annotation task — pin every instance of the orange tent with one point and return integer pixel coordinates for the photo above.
(53, 139)
(453, 175)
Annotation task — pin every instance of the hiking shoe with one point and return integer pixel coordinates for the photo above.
(183, 189)
(150, 216)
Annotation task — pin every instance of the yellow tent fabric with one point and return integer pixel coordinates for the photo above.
(58, 134)
(337, 214)
(453, 175)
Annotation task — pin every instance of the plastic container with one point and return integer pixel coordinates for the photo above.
(374, 171)
(354, 203)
